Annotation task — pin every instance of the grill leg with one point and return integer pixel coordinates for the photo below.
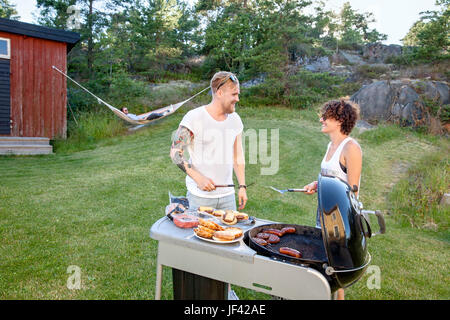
(189, 286)
(158, 282)
(334, 295)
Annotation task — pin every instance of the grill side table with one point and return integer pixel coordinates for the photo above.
(233, 263)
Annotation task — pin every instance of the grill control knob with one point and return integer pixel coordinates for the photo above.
(329, 271)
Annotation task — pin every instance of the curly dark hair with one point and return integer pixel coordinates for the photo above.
(344, 111)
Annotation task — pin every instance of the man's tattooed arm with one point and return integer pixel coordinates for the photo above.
(182, 138)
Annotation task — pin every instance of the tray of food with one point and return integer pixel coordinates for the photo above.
(228, 217)
(211, 231)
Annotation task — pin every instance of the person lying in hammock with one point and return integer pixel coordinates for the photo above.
(151, 116)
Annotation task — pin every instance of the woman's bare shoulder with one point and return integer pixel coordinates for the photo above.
(352, 147)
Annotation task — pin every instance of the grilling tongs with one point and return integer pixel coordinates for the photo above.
(288, 190)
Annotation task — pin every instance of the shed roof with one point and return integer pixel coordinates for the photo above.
(36, 31)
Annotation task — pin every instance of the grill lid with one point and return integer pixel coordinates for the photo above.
(342, 225)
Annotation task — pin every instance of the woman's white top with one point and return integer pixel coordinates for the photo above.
(332, 166)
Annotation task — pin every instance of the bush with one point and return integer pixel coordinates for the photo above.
(416, 56)
(88, 129)
(116, 90)
(123, 89)
(415, 199)
(371, 71)
(299, 91)
(436, 108)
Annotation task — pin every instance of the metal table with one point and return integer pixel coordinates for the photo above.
(234, 263)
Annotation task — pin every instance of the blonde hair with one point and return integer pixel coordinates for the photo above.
(220, 78)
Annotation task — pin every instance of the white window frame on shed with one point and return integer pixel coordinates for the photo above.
(8, 48)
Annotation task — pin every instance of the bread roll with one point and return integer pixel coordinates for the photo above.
(236, 231)
(206, 209)
(223, 236)
(218, 213)
(229, 217)
(241, 216)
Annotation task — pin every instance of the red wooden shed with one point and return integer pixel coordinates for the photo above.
(33, 96)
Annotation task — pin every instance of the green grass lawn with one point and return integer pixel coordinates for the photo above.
(94, 209)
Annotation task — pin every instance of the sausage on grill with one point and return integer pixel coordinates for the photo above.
(276, 232)
(288, 230)
(290, 252)
(263, 235)
(260, 241)
(273, 239)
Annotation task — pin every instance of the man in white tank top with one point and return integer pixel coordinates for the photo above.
(212, 135)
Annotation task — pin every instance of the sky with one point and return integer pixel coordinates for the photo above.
(394, 17)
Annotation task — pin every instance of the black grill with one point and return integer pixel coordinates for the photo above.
(307, 240)
(339, 249)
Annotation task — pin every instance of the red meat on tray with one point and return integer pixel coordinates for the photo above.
(185, 220)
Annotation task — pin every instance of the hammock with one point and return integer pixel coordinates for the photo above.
(171, 108)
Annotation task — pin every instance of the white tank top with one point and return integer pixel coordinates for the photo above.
(213, 149)
(333, 167)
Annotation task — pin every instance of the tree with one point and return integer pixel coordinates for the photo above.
(411, 38)
(58, 13)
(252, 37)
(54, 13)
(431, 34)
(148, 38)
(353, 27)
(8, 10)
(228, 33)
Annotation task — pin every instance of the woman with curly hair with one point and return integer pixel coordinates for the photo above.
(343, 158)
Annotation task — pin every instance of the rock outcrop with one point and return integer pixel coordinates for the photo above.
(347, 63)
(379, 53)
(400, 100)
(320, 64)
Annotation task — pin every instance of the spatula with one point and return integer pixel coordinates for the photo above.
(288, 190)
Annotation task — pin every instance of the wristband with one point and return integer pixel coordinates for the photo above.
(242, 186)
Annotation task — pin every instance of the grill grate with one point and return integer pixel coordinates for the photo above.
(307, 240)
(311, 247)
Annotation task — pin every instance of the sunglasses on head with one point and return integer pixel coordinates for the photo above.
(232, 77)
